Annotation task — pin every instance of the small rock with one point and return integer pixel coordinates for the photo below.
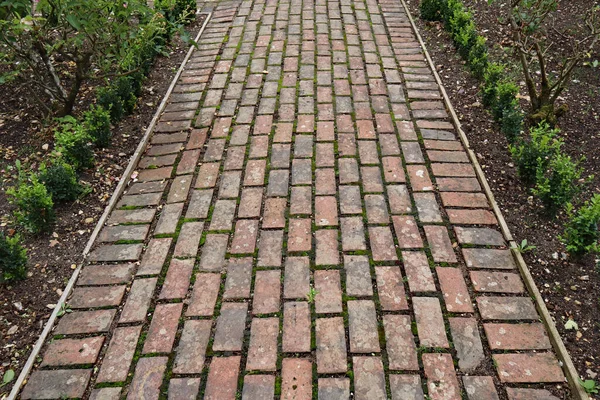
(584, 278)
(18, 305)
(12, 330)
(89, 220)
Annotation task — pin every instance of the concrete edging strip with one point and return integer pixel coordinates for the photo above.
(108, 209)
(571, 373)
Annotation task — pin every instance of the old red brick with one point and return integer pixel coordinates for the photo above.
(382, 243)
(204, 295)
(329, 292)
(222, 380)
(362, 321)
(192, 347)
(369, 378)
(400, 343)
(528, 368)
(296, 327)
(73, 351)
(430, 322)
(441, 377)
(229, 333)
(497, 282)
(454, 289)
(517, 336)
(391, 289)
(331, 345)
(148, 378)
(266, 292)
(439, 243)
(327, 247)
(262, 352)
(177, 281)
(163, 328)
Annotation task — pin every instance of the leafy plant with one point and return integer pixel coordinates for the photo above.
(311, 295)
(74, 143)
(582, 233)
(96, 122)
(506, 98)
(64, 309)
(478, 57)
(34, 205)
(61, 181)
(109, 99)
(556, 185)
(589, 385)
(124, 89)
(492, 75)
(459, 19)
(524, 247)
(8, 377)
(13, 259)
(465, 38)
(511, 123)
(535, 153)
(449, 9)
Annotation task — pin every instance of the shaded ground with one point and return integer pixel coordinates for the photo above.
(570, 287)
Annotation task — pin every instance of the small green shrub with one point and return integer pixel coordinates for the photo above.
(431, 10)
(449, 9)
(536, 153)
(124, 89)
(109, 99)
(506, 98)
(13, 259)
(96, 123)
(459, 20)
(478, 57)
(34, 205)
(556, 185)
(512, 123)
(465, 39)
(581, 232)
(492, 75)
(74, 143)
(61, 181)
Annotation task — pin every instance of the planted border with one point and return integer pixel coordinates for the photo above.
(555, 178)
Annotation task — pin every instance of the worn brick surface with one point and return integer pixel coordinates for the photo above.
(307, 223)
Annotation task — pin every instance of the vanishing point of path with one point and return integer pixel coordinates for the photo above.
(304, 224)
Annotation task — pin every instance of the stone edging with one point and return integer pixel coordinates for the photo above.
(557, 343)
(121, 186)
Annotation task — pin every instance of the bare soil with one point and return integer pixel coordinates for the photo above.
(24, 131)
(570, 287)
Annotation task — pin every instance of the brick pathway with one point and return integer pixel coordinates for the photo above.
(305, 224)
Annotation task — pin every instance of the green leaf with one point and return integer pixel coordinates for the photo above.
(8, 377)
(589, 386)
(74, 22)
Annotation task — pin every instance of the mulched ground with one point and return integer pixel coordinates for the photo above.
(570, 287)
(26, 305)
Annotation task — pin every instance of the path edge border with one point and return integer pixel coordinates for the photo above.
(121, 186)
(557, 343)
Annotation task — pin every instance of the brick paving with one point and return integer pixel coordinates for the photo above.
(304, 224)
